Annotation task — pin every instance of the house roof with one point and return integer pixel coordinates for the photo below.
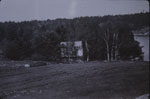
(142, 32)
(76, 43)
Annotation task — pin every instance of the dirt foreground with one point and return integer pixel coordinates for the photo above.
(93, 80)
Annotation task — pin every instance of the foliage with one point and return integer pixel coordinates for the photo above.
(47, 47)
(132, 49)
(39, 40)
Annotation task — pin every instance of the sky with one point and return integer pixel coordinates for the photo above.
(26, 10)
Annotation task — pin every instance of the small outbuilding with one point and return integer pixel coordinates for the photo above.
(72, 51)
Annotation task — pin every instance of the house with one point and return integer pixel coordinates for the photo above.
(142, 36)
(72, 51)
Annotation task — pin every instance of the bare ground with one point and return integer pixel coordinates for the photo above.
(93, 80)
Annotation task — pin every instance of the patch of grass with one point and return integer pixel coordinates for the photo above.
(123, 80)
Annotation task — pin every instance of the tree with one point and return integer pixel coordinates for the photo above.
(114, 50)
(62, 31)
(19, 47)
(130, 50)
(110, 37)
(47, 47)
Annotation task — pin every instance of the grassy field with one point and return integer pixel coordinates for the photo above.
(93, 80)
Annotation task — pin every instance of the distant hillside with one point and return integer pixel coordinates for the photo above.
(77, 26)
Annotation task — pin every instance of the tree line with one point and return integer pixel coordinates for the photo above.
(108, 37)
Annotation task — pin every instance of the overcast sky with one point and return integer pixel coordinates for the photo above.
(21, 10)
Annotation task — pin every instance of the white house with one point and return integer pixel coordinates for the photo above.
(142, 36)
